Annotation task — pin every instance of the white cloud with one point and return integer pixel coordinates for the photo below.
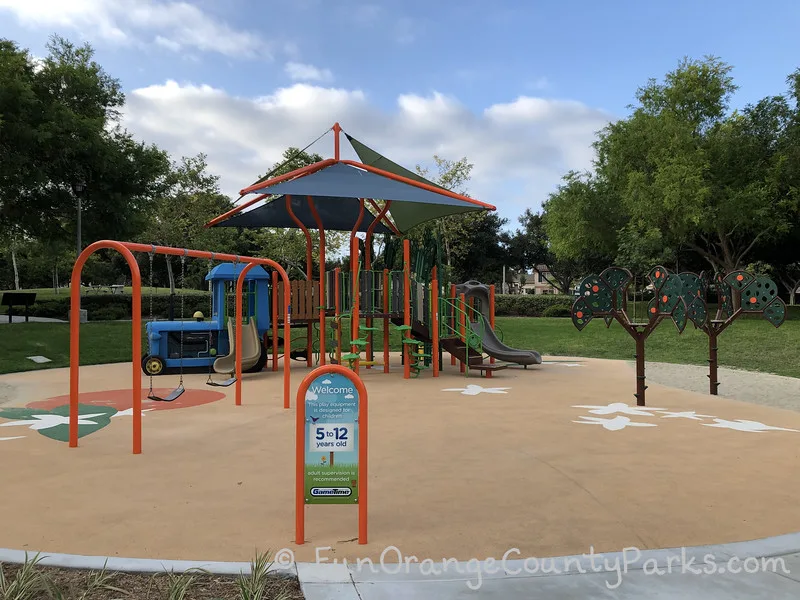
(311, 396)
(520, 148)
(176, 26)
(304, 72)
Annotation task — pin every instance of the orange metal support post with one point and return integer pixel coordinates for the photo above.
(386, 321)
(300, 458)
(322, 312)
(309, 277)
(453, 316)
(136, 344)
(337, 310)
(368, 268)
(435, 322)
(274, 320)
(491, 322)
(462, 328)
(354, 322)
(407, 307)
(136, 323)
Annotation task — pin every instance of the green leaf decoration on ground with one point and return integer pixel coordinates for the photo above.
(581, 313)
(758, 295)
(679, 315)
(775, 313)
(54, 424)
(658, 276)
(739, 280)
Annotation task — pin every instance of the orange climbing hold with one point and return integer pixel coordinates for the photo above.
(579, 314)
(753, 300)
(739, 277)
(595, 288)
(653, 310)
(664, 298)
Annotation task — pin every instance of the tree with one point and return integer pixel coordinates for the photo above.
(60, 127)
(471, 242)
(530, 249)
(192, 198)
(683, 172)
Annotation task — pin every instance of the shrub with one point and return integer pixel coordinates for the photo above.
(560, 310)
(112, 307)
(525, 305)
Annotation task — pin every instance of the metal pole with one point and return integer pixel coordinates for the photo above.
(80, 245)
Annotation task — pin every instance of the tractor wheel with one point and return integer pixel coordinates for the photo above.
(152, 365)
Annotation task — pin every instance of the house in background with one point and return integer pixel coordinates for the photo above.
(530, 283)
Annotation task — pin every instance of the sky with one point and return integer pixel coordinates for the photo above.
(518, 88)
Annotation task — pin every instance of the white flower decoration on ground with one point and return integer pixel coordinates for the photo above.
(47, 421)
(128, 412)
(745, 425)
(688, 414)
(614, 424)
(620, 408)
(474, 390)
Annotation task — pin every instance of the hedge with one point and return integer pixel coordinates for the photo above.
(117, 307)
(527, 305)
(114, 307)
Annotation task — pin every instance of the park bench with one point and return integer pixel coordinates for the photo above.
(12, 299)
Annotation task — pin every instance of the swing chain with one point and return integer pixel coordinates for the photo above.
(151, 254)
(183, 294)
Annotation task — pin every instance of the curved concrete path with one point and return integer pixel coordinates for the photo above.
(765, 568)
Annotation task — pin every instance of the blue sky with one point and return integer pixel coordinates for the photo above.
(522, 87)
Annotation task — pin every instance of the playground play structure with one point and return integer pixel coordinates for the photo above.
(681, 297)
(428, 314)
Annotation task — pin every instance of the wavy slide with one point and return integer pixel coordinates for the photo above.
(489, 340)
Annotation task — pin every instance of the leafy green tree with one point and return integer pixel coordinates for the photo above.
(60, 127)
(530, 249)
(682, 173)
(192, 198)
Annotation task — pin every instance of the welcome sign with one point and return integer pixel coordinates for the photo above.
(331, 453)
(331, 443)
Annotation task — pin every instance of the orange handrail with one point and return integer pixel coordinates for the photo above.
(126, 249)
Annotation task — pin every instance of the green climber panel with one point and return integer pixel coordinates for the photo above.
(618, 279)
(698, 312)
(608, 320)
(658, 276)
(775, 312)
(757, 296)
(652, 309)
(738, 280)
(581, 313)
(693, 287)
(724, 293)
(670, 294)
(679, 315)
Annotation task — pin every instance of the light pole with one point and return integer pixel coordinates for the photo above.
(79, 188)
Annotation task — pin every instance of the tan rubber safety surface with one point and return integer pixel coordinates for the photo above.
(451, 475)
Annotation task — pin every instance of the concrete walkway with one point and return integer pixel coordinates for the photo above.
(768, 568)
(21, 319)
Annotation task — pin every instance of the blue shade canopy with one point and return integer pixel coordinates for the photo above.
(335, 215)
(341, 184)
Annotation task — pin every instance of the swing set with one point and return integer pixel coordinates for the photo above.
(126, 249)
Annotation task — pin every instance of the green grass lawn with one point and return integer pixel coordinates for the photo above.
(747, 344)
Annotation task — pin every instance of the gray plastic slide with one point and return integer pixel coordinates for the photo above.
(489, 340)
